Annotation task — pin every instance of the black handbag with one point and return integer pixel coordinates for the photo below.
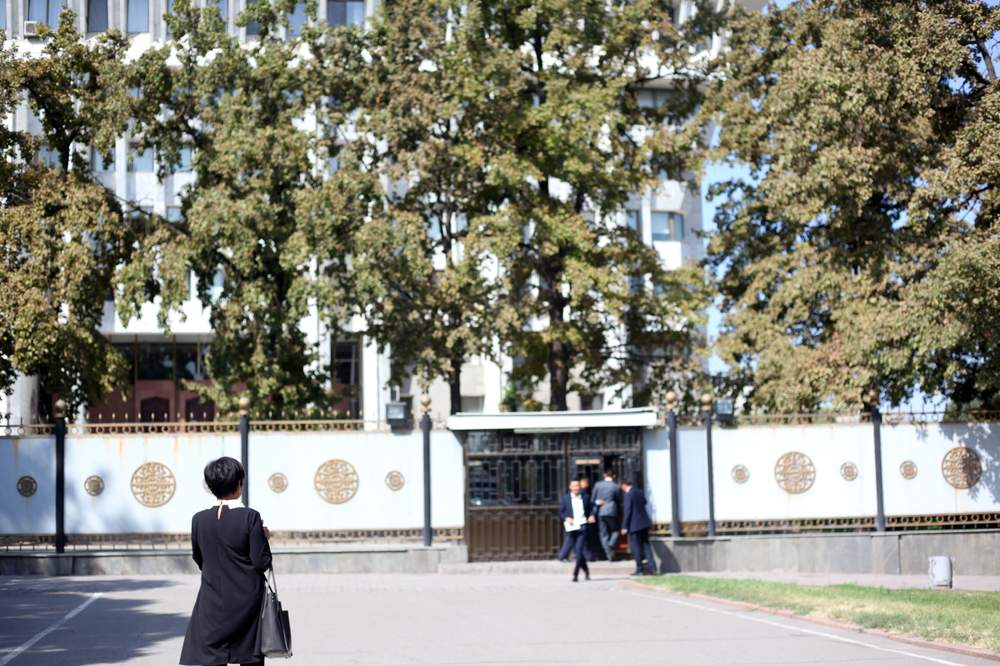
(275, 630)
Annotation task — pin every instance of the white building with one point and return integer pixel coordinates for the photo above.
(668, 219)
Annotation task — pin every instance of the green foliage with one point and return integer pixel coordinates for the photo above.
(433, 92)
(62, 234)
(261, 214)
(863, 250)
(576, 144)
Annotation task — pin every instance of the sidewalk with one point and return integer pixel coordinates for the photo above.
(964, 583)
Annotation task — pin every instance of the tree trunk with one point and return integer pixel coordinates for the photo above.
(557, 361)
(455, 385)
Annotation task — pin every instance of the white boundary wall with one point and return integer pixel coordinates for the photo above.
(296, 455)
(829, 446)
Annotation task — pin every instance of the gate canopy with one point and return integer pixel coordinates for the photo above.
(641, 417)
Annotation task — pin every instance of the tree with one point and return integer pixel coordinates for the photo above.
(588, 304)
(63, 235)
(434, 93)
(862, 250)
(262, 215)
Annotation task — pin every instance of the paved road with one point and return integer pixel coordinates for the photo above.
(409, 619)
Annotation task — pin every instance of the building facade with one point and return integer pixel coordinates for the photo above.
(668, 218)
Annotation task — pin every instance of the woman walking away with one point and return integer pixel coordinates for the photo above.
(230, 547)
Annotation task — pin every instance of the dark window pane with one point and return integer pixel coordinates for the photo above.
(253, 28)
(341, 12)
(54, 7)
(632, 219)
(37, 10)
(156, 361)
(188, 363)
(138, 16)
(3, 14)
(97, 15)
(345, 363)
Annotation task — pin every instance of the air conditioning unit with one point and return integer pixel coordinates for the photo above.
(31, 28)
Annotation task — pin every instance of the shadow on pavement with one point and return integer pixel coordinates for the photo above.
(119, 626)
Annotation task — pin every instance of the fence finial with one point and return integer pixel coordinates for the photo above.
(706, 402)
(244, 406)
(671, 400)
(60, 409)
(425, 403)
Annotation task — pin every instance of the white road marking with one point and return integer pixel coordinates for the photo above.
(42, 634)
(791, 627)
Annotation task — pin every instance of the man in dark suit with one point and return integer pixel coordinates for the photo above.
(636, 524)
(567, 544)
(574, 509)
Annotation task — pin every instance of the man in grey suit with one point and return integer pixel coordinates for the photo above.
(605, 496)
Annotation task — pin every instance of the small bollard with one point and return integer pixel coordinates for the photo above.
(941, 571)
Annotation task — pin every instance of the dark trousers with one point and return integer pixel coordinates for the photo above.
(256, 663)
(608, 528)
(642, 551)
(567, 546)
(578, 538)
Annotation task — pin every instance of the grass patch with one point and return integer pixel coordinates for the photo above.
(966, 618)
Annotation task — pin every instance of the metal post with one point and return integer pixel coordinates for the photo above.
(706, 407)
(425, 427)
(879, 495)
(60, 433)
(245, 447)
(675, 494)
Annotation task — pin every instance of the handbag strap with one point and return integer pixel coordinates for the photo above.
(272, 584)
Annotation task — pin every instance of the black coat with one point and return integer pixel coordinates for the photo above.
(636, 517)
(233, 555)
(566, 505)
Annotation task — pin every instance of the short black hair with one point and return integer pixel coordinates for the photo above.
(609, 471)
(223, 476)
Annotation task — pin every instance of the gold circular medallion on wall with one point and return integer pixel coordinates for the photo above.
(794, 472)
(27, 486)
(277, 482)
(395, 480)
(153, 484)
(961, 467)
(908, 470)
(740, 474)
(849, 471)
(94, 485)
(336, 481)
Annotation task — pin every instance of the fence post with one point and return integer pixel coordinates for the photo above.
(245, 447)
(425, 427)
(879, 495)
(706, 408)
(59, 428)
(675, 494)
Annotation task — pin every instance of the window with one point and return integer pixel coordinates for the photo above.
(253, 28)
(49, 157)
(99, 165)
(632, 217)
(156, 361)
(174, 214)
(184, 159)
(223, 6)
(140, 161)
(138, 16)
(3, 14)
(190, 362)
(653, 99)
(97, 15)
(341, 12)
(345, 362)
(297, 19)
(332, 165)
(667, 226)
(44, 11)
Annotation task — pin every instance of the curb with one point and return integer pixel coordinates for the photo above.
(955, 648)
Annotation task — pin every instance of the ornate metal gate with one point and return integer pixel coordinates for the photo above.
(515, 480)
